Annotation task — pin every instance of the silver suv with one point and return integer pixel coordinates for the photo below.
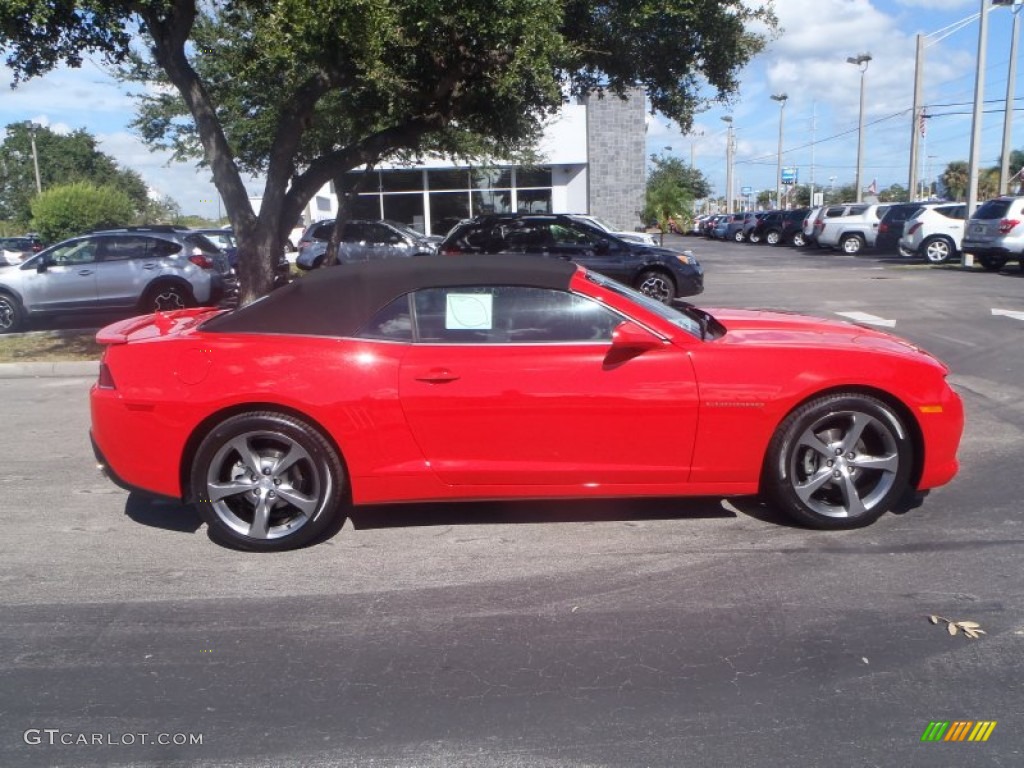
(362, 241)
(995, 233)
(850, 227)
(147, 269)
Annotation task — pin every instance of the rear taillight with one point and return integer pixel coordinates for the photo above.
(451, 250)
(914, 227)
(883, 227)
(1007, 225)
(201, 260)
(106, 379)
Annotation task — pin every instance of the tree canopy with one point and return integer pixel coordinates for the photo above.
(301, 91)
(63, 159)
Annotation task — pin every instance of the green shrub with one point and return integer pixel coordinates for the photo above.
(72, 209)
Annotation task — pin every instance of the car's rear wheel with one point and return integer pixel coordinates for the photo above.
(773, 237)
(656, 284)
(839, 461)
(267, 481)
(799, 240)
(165, 297)
(738, 236)
(754, 237)
(11, 314)
(851, 244)
(938, 250)
(992, 263)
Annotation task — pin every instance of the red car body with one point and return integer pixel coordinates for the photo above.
(656, 411)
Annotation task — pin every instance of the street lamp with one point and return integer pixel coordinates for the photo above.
(781, 98)
(729, 149)
(31, 127)
(1011, 80)
(860, 61)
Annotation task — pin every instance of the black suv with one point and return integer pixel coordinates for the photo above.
(658, 272)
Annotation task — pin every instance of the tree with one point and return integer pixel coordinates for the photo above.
(954, 179)
(895, 193)
(63, 159)
(301, 91)
(677, 172)
(71, 209)
(668, 203)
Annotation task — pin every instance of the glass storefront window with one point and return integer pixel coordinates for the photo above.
(447, 209)
(406, 209)
(534, 200)
(401, 181)
(492, 202)
(533, 177)
(454, 179)
(365, 207)
(491, 178)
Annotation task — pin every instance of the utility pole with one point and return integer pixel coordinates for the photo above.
(814, 125)
(35, 155)
(1011, 86)
(916, 119)
(729, 151)
(979, 102)
(781, 98)
(861, 61)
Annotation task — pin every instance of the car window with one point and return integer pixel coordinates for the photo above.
(322, 231)
(202, 242)
(124, 248)
(563, 235)
(857, 210)
(77, 252)
(993, 209)
(393, 323)
(380, 234)
(509, 315)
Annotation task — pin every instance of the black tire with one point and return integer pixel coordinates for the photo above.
(992, 263)
(260, 505)
(656, 284)
(12, 316)
(164, 297)
(799, 240)
(851, 244)
(754, 237)
(318, 262)
(773, 237)
(816, 467)
(938, 249)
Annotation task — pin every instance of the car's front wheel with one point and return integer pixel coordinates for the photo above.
(773, 237)
(11, 314)
(839, 461)
(266, 481)
(738, 236)
(852, 244)
(657, 285)
(799, 240)
(938, 250)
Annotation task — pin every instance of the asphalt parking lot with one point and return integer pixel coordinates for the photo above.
(659, 632)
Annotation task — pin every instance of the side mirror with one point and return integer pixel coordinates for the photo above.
(42, 266)
(630, 336)
(602, 247)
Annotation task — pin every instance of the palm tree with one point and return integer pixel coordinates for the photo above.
(954, 179)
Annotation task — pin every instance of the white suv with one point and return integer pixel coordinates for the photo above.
(849, 227)
(934, 233)
(995, 233)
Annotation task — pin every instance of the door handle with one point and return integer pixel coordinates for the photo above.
(85, 272)
(438, 376)
(150, 266)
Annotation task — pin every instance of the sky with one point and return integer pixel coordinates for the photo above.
(806, 61)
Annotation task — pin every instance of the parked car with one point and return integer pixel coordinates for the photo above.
(224, 238)
(660, 273)
(809, 228)
(633, 237)
(995, 233)
(750, 222)
(708, 227)
(935, 233)
(363, 240)
(892, 224)
(850, 227)
(138, 268)
(441, 379)
(791, 230)
(14, 250)
(729, 227)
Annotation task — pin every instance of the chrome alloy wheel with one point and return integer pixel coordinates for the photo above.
(265, 485)
(168, 298)
(845, 463)
(937, 251)
(657, 286)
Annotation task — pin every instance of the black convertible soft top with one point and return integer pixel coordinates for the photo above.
(338, 301)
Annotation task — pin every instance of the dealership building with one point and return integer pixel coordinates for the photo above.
(590, 160)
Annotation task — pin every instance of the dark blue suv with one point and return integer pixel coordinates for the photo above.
(660, 273)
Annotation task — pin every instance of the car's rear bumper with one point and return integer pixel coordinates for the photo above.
(988, 249)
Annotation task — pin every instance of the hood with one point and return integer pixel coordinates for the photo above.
(784, 329)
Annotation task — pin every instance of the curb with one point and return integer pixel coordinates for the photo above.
(80, 368)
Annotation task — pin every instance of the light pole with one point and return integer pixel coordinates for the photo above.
(1011, 85)
(781, 98)
(31, 127)
(860, 61)
(729, 149)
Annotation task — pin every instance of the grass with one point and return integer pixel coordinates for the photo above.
(49, 346)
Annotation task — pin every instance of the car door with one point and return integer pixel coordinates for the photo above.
(602, 253)
(63, 278)
(513, 386)
(124, 267)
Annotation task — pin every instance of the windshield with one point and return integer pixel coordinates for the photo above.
(689, 319)
(406, 230)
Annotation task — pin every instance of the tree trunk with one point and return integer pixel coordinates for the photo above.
(346, 197)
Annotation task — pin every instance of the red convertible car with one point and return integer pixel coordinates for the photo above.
(493, 378)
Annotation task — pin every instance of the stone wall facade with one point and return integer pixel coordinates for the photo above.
(616, 150)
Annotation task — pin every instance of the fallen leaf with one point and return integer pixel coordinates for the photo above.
(968, 624)
(951, 627)
(933, 619)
